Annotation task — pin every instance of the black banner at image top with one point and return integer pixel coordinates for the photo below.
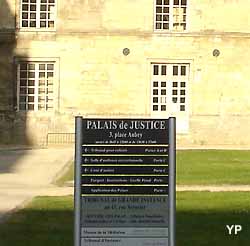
(124, 131)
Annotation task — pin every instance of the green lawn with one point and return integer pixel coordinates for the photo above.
(201, 221)
(214, 167)
(47, 221)
(203, 167)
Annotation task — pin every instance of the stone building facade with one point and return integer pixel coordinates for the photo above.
(123, 58)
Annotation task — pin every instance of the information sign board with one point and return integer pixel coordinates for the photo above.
(125, 182)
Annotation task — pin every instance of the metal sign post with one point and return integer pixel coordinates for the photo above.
(125, 182)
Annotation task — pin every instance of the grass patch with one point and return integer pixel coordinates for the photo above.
(201, 220)
(214, 167)
(46, 221)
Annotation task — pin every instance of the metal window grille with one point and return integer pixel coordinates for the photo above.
(38, 14)
(169, 87)
(170, 15)
(35, 86)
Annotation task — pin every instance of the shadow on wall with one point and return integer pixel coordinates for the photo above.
(12, 124)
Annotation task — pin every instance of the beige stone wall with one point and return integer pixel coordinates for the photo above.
(96, 79)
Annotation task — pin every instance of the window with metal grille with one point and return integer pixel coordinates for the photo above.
(170, 15)
(169, 87)
(35, 86)
(38, 14)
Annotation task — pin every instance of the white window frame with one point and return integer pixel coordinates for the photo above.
(172, 109)
(171, 19)
(38, 11)
(55, 61)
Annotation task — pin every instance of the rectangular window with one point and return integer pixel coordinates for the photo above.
(35, 86)
(169, 87)
(170, 15)
(38, 14)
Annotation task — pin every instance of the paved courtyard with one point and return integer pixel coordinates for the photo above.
(26, 173)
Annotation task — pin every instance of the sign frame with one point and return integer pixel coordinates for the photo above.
(171, 182)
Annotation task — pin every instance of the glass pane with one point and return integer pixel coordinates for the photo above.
(159, 2)
(183, 92)
(163, 108)
(175, 84)
(50, 75)
(155, 99)
(159, 17)
(22, 99)
(163, 92)
(51, 24)
(183, 84)
(32, 7)
(23, 90)
(166, 2)
(33, 1)
(23, 74)
(158, 26)
(155, 84)
(32, 24)
(25, 7)
(31, 82)
(155, 92)
(31, 75)
(22, 106)
(42, 23)
(30, 106)
(183, 2)
(155, 107)
(41, 75)
(43, 16)
(23, 82)
(165, 10)
(23, 66)
(166, 17)
(175, 70)
(156, 69)
(41, 66)
(50, 67)
(51, 1)
(24, 23)
(163, 84)
(43, 7)
(166, 26)
(174, 92)
(163, 70)
(182, 107)
(43, 1)
(25, 15)
(31, 66)
(176, 2)
(31, 90)
(32, 15)
(182, 99)
(31, 99)
(174, 99)
(183, 70)
(158, 9)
